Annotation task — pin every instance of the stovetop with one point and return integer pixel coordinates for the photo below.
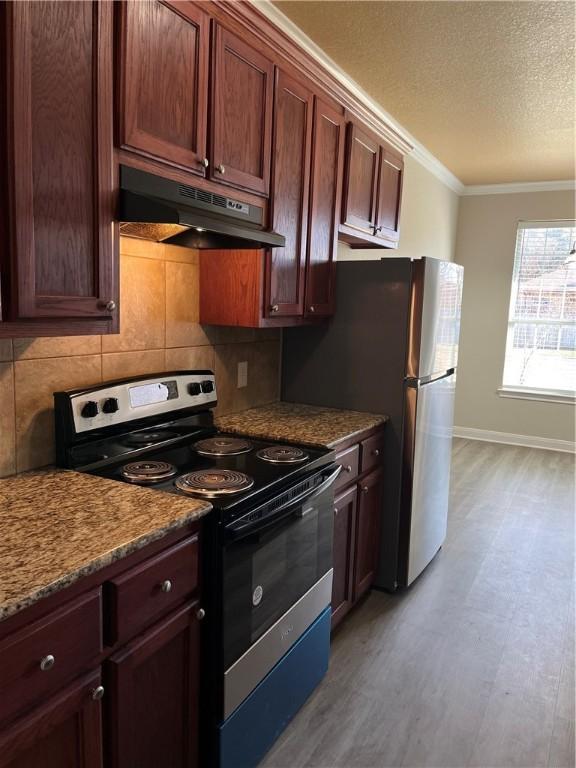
(268, 477)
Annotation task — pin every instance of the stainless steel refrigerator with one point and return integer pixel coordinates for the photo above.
(392, 347)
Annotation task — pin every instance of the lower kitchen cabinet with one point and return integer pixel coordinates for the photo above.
(153, 696)
(343, 554)
(358, 508)
(367, 532)
(64, 732)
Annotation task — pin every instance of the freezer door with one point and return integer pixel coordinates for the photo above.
(429, 427)
(434, 317)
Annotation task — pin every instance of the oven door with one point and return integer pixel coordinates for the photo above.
(277, 579)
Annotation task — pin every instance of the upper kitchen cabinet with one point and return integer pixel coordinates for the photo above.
(325, 198)
(58, 251)
(163, 89)
(295, 283)
(292, 142)
(241, 126)
(372, 191)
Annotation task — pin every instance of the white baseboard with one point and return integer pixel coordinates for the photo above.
(529, 441)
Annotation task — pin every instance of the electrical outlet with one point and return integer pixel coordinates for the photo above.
(242, 374)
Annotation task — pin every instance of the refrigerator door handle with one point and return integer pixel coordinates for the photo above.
(413, 382)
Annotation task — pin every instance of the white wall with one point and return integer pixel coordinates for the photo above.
(428, 219)
(485, 246)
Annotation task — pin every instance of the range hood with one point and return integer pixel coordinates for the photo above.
(162, 210)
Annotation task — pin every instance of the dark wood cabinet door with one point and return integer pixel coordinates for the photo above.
(370, 500)
(291, 147)
(361, 182)
(344, 540)
(61, 249)
(242, 94)
(389, 195)
(64, 732)
(164, 48)
(325, 198)
(153, 707)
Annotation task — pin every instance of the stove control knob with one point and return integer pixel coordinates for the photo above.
(110, 405)
(89, 409)
(207, 386)
(194, 388)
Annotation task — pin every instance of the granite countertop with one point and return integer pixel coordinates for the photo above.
(307, 424)
(57, 526)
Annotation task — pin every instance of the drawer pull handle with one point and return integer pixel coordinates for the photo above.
(376, 452)
(166, 586)
(335, 510)
(47, 662)
(348, 468)
(365, 489)
(98, 693)
(200, 613)
(220, 168)
(109, 306)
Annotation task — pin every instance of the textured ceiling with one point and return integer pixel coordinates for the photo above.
(487, 87)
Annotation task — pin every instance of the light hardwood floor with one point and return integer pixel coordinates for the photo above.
(474, 664)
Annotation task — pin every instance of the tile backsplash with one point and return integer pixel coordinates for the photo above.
(159, 331)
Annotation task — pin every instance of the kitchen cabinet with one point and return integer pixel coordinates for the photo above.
(292, 143)
(254, 288)
(358, 509)
(370, 498)
(163, 88)
(58, 258)
(325, 197)
(372, 191)
(153, 685)
(343, 554)
(121, 646)
(63, 732)
(241, 120)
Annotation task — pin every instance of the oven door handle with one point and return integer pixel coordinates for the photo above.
(238, 529)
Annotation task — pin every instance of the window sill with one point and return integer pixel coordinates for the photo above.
(543, 395)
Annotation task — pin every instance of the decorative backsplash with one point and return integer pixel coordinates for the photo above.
(160, 331)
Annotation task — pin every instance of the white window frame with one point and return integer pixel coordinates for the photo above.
(517, 391)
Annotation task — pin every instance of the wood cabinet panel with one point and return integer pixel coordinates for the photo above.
(242, 93)
(370, 499)
(361, 180)
(164, 49)
(372, 451)
(64, 732)
(389, 195)
(47, 654)
(349, 460)
(292, 139)
(325, 198)
(147, 591)
(153, 683)
(61, 260)
(344, 541)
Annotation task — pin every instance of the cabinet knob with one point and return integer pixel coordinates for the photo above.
(312, 308)
(335, 510)
(274, 308)
(47, 662)
(348, 468)
(377, 229)
(166, 586)
(98, 693)
(109, 306)
(376, 452)
(365, 489)
(205, 163)
(220, 168)
(200, 613)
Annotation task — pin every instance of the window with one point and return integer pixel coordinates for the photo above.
(541, 343)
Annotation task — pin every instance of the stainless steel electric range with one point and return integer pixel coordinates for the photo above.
(266, 547)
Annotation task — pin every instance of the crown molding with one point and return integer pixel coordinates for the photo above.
(419, 152)
(521, 186)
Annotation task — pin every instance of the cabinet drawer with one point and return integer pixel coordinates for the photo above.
(372, 451)
(349, 460)
(41, 658)
(147, 591)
